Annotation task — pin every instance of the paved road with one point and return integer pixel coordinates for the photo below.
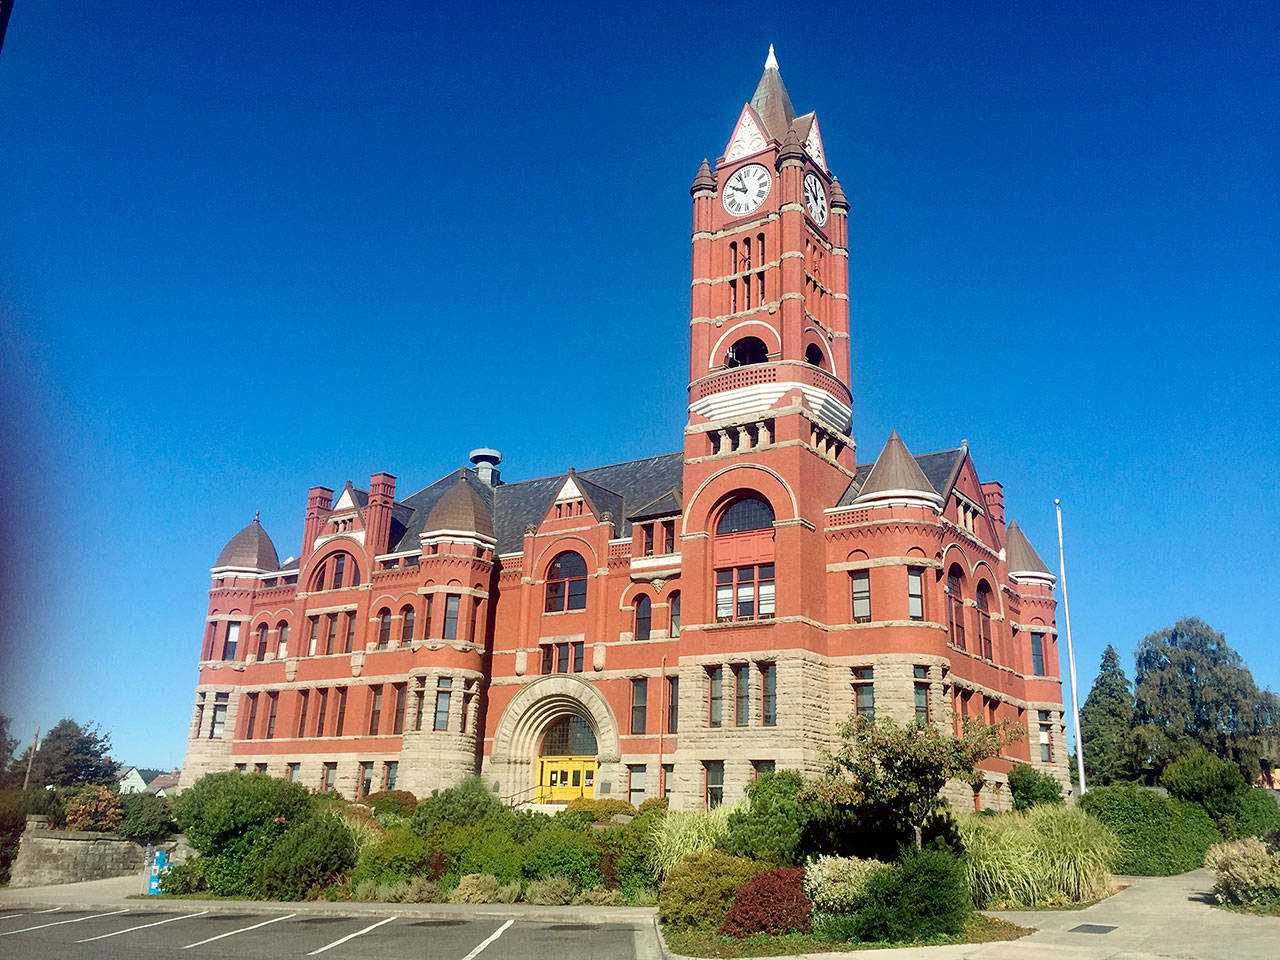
(127, 933)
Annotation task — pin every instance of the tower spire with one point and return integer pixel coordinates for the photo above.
(771, 63)
(770, 101)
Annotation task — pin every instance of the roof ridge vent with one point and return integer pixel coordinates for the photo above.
(486, 460)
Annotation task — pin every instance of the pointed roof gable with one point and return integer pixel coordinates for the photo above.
(897, 476)
(250, 549)
(1021, 556)
(748, 136)
(351, 498)
(460, 509)
(771, 102)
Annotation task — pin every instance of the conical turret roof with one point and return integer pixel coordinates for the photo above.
(1021, 556)
(771, 102)
(897, 476)
(250, 549)
(460, 508)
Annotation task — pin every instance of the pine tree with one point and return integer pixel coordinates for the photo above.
(1106, 725)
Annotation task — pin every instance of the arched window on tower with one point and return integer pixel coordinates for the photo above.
(984, 619)
(743, 559)
(746, 351)
(262, 642)
(566, 583)
(813, 355)
(955, 606)
(406, 624)
(675, 615)
(644, 618)
(384, 628)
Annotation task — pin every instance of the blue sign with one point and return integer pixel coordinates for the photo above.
(158, 865)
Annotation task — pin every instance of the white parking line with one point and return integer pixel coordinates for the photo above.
(232, 933)
(10, 916)
(350, 936)
(488, 940)
(58, 923)
(143, 926)
(50, 910)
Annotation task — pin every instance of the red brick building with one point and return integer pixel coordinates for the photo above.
(671, 625)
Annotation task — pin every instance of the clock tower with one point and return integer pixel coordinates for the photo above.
(769, 326)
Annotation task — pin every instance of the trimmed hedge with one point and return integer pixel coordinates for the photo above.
(1159, 836)
(145, 818)
(1257, 814)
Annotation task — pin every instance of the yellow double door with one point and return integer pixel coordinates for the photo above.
(561, 779)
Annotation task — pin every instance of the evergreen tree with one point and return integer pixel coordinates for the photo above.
(1106, 725)
(69, 755)
(7, 743)
(1192, 688)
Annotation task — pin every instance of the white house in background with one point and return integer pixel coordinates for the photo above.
(165, 785)
(130, 781)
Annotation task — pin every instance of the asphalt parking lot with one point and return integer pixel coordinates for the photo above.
(123, 933)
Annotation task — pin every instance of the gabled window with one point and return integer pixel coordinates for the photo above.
(861, 580)
(566, 583)
(643, 618)
(646, 540)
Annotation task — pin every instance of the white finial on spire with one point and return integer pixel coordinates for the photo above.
(772, 61)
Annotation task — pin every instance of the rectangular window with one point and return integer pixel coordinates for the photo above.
(861, 596)
(639, 703)
(1037, 654)
(915, 593)
(741, 695)
(443, 686)
(635, 783)
(548, 659)
(769, 694)
(646, 534)
(260, 768)
(1046, 736)
(761, 766)
(291, 772)
(330, 778)
(219, 724)
(365, 786)
(315, 636)
(426, 617)
(864, 693)
(232, 641)
(282, 646)
(419, 696)
(923, 711)
(402, 704)
(668, 536)
(713, 773)
(322, 704)
(668, 777)
(562, 658)
(342, 711)
(253, 716)
(331, 639)
(375, 710)
(715, 695)
(390, 771)
(673, 704)
(577, 656)
(304, 698)
(273, 700)
(744, 593)
(465, 722)
(451, 616)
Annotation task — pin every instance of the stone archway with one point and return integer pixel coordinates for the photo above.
(513, 760)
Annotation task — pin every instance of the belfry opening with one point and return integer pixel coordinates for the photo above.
(567, 760)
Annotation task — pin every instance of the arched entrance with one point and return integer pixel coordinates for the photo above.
(567, 761)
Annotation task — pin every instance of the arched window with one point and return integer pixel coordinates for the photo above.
(644, 618)
(813, 355)
(746, 351)
(566, 583)
(955, 607)
(282, 639)
(406, 624)
(384, 629)
(675, 615)
(568, 737)
(262, 642)
(743, 558)
(748, 513)
(339, 565)
(984, 619)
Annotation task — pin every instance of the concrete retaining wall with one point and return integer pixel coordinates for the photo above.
(48, 856)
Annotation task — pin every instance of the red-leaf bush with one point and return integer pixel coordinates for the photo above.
(771, 902)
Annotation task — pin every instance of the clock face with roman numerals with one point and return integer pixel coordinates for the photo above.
(746, 189)
(815, 199)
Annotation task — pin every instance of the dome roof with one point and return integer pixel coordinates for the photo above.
(250, 549)
(460, 509)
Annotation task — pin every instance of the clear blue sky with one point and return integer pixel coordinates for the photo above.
(250, 247)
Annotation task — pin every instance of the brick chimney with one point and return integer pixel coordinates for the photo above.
(319, 502)
(993, 494)
(377, 517)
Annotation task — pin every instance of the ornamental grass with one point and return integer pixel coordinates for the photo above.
(684, 832)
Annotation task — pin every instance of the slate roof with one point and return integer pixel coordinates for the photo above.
(669, 504)
(251, 548)
(771, 103)
(940, 469)
(1020, 555)
(895, 472)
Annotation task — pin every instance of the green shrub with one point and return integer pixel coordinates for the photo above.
(94, 808)
(468, 803)
(1159, 836)
(524, 825)
(220, 810)
(1245, 872)
(601, 809)
(397, 855)
(183, 879)
(1049, 855)
(310, 853)
(837, 927)
(770, 825)
(1200, 777)
(492, 851)
(685, 832)
(835, 884)
(628, 850)
(549, 892)
(400, 802)
(475, 888)
(14, 807)
(653, 803)
(145, 818)
(600, 897)
(698, 891)
(922, 896)
(771, 902)
(1030, 787)
(1257, 814)
(556, 852)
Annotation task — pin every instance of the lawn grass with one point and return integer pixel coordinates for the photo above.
(708, 943)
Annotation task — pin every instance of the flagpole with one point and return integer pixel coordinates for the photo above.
(1071, 654)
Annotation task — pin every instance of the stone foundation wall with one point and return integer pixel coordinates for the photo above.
(47, 856)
